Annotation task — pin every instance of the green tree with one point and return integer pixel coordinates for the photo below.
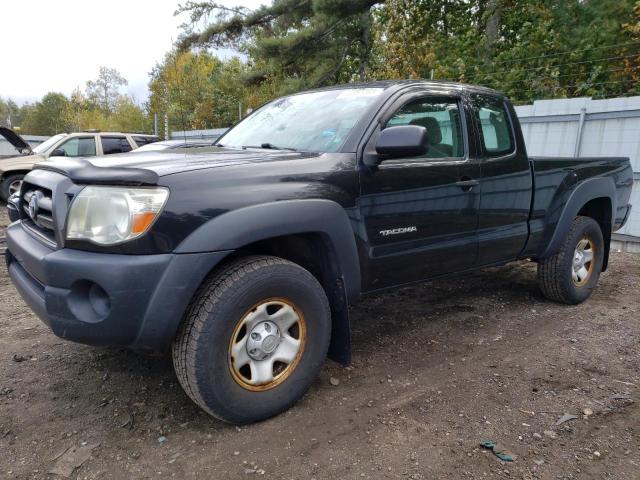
(56, 113)
(179, 87)
(291, 43)
(129, 117)
(126, 117)
(10, 113)
(632, 64)
(633, 27)
(48, 116)
(104, 91)
(529, 50)
(197, 90)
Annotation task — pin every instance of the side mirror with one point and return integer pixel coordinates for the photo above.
(403, 141)
(58, 152)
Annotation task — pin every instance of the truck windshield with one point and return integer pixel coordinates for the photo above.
(313, 122)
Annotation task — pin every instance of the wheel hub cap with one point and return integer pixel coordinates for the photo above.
(267, 344)
(263, 340)
(14, 187)
(583, 261)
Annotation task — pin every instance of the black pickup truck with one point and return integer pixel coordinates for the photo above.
(242, 258)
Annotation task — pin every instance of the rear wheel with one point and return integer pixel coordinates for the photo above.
(570, 275)
(10, 184)
(254, 339)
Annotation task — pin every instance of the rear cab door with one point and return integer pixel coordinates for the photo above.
(506, 183)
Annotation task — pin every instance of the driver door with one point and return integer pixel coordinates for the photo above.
(78, 147)
(420, 214)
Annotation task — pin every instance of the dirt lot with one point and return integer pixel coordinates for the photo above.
(437, 368)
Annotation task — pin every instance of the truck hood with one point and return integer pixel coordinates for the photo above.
(16, 140)
(145, 168)
(167, 162)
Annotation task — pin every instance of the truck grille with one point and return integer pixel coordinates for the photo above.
(37, 211)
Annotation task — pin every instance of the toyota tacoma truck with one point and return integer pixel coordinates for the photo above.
(243, 258)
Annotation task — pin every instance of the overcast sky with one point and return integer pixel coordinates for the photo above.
(59, 45)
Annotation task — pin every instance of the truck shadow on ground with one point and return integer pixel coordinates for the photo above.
(385, 324)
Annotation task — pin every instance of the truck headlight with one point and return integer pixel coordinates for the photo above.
(110, 215)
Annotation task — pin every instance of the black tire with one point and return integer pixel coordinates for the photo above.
(5, 185)
(201, 351)
(555, 274)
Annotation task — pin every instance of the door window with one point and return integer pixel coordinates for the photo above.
(495, 128)
(79, 147)
(441, 118)
(115, 145)
(140, 141)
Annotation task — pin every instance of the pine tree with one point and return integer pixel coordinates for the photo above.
(295, 43)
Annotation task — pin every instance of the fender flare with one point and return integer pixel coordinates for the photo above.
(237, 228)
(601, 187)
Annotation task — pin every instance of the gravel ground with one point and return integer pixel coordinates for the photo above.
(437, 369)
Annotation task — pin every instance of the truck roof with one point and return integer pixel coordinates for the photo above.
(399, 84)
(100, 132)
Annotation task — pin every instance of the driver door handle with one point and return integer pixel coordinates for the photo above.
(466, 183)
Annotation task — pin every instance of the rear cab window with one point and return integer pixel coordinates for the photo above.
(494, 126)
(114, 144)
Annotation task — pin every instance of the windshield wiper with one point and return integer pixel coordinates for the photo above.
(269, 146)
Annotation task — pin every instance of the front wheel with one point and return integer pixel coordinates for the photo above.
(570, 275)
(10, 185)
(254, 339)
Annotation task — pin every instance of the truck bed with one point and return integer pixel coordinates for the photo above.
(554, 181)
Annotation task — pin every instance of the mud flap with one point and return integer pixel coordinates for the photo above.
(340, 345)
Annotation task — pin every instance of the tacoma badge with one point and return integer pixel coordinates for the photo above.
(398, 231)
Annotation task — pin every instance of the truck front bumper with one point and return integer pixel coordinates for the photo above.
(137, 301)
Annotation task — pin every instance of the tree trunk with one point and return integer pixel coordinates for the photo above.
(365, 41)
(492, 27)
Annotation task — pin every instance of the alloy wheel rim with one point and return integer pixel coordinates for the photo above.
(583, 261)
(267, 344)
(14, 187)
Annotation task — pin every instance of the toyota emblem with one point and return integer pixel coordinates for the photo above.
(33, 206)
